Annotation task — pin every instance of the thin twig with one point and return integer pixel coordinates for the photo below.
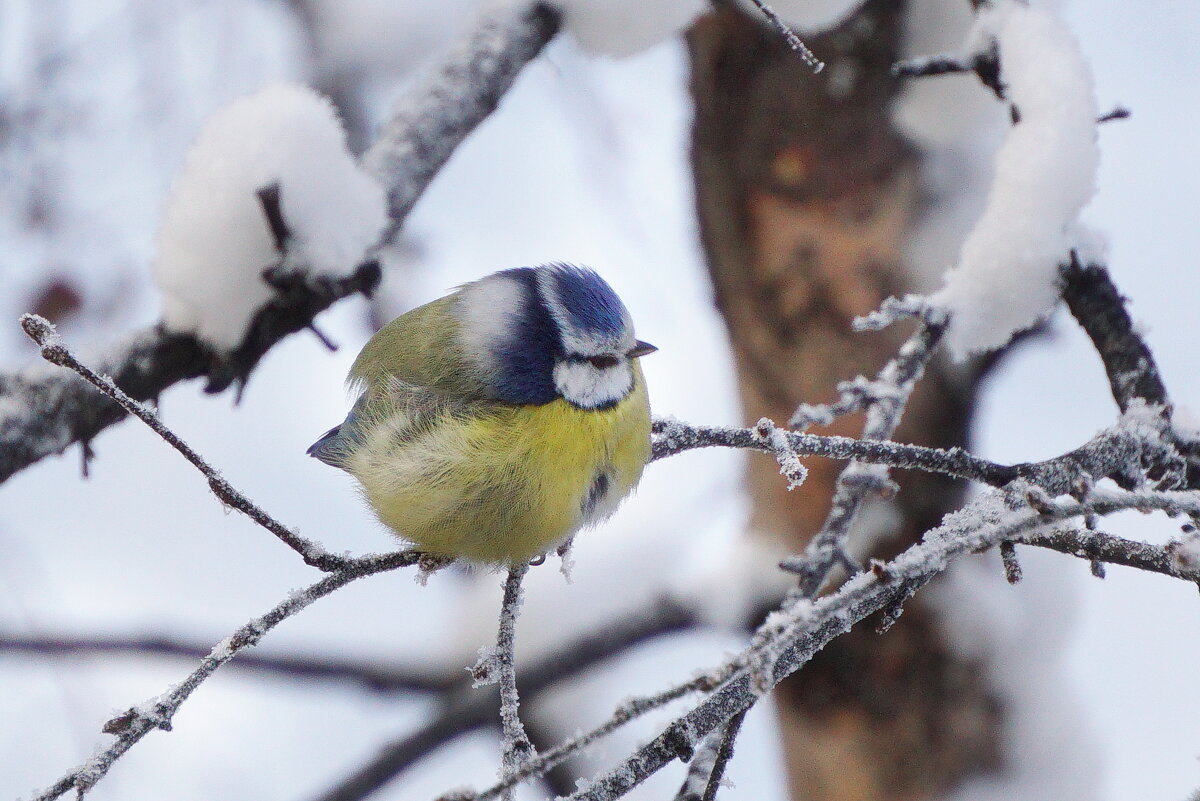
(367, 674)
(517, 746)
(1099, 308)
(1118, 113)
(700, 769)
(724, 754)
(627, 711)
(894, 384)
(54, 351)
(157, 713)
(795, 42)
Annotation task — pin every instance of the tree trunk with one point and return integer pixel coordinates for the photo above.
(806, 196)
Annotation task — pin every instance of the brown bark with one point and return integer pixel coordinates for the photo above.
(806, 195)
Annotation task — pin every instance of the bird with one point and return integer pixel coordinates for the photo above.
(492, 424)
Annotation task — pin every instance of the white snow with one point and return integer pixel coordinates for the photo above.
(625, 27)
(214, 241)
(1006, 278)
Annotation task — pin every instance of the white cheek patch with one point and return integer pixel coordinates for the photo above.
(487, 309)
(590, 387)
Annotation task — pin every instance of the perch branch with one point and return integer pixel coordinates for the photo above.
(55, 352)
(135, 723)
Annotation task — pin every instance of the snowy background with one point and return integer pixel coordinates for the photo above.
(586, 161)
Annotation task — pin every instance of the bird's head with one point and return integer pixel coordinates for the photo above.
(534, 334)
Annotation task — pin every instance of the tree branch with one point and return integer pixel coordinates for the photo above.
(1107, 455)
(467, 708)
(55, 352)
(367, 673)
(157, 713)
(890, 393)
(517, 746)
(44, 412)
(1099, 308)
(430, 123)
(788, 641)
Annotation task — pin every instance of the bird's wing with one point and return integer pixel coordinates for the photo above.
(420, 349)
(406, 411)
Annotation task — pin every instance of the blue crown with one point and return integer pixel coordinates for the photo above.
(590, 304)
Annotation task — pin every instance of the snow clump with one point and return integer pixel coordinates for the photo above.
(1006, 279)
(215, 241)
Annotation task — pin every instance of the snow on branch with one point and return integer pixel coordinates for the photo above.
(269, 183)
(430, 123)
(792, 639)
(1007, 278)
(43, 412)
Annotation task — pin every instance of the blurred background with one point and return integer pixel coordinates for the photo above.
(1068, 686)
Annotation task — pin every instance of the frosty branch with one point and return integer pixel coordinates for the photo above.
(46, 412)
(786, 642)
(130, 727)
(55, 352)
(888, 396)
(466, 708)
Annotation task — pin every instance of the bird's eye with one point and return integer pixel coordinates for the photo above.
(603, 361)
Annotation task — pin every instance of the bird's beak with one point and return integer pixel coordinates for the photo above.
(640, 349)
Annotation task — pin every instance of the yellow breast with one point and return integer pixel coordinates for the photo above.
(506, 484)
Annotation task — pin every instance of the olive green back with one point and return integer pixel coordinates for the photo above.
(420, 348)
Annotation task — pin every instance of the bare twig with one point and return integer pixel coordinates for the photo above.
(55, 352)
(795, 42)
(368, 674)
(1118, 113)
(985, 64)
(130, 727)
(1099, 308)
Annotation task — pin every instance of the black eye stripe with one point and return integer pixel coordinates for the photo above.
(600, 362)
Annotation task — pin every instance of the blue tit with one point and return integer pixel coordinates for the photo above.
(495, 422)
